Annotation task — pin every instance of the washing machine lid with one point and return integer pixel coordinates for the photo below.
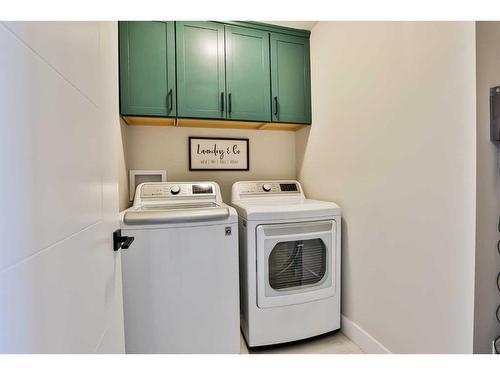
(176, 213)
(268, 209)
(161, 204)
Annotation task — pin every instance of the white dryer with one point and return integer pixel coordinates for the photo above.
(180, 275)
(289, 262)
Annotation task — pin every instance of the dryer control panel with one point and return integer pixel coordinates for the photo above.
(247, 188)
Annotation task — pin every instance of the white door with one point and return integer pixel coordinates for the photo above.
(60, 281)
(295, 262)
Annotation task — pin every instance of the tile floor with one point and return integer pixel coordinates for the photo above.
(335, 343)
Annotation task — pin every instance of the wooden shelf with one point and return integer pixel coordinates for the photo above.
(200, 123)
(156, 121)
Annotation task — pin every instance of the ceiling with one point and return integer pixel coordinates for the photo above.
(307, 25)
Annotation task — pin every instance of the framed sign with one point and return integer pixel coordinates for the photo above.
(216, 154)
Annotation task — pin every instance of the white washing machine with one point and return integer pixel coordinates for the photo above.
(180, 275)
(289, 262)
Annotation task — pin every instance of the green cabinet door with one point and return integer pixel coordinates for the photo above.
(147, 69)
(290, 79)
(200, 70)
(248, 80)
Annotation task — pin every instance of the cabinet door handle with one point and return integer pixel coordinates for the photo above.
(230, 104)
(222, 102)
(170, 101)
(276, 106)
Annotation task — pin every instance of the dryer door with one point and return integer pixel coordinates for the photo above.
(295, 262)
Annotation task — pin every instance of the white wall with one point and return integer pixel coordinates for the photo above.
(272, 154)
(393, 142)
(60, 281)
(486, 327)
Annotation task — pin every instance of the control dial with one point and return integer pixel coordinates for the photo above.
(175, 189)
(266, 187)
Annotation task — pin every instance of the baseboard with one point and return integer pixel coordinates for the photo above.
(362, 338)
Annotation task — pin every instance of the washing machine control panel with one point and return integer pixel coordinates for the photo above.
(269, 187)
(167, 190)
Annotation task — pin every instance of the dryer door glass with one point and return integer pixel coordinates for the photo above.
(295, 264)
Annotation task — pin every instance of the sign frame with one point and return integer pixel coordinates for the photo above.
(245, 142)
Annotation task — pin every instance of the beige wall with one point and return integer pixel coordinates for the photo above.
(486, 327)
(393, 142)
(272, 154)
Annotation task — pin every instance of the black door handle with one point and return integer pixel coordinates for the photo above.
(121, 242)
(276, 106)
(170, 101)
(230, 104)
(222, 102)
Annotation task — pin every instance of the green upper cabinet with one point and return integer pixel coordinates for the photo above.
(201, 83)
(239, 71)
(247, 74)
(147, 69)
(290, 79)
